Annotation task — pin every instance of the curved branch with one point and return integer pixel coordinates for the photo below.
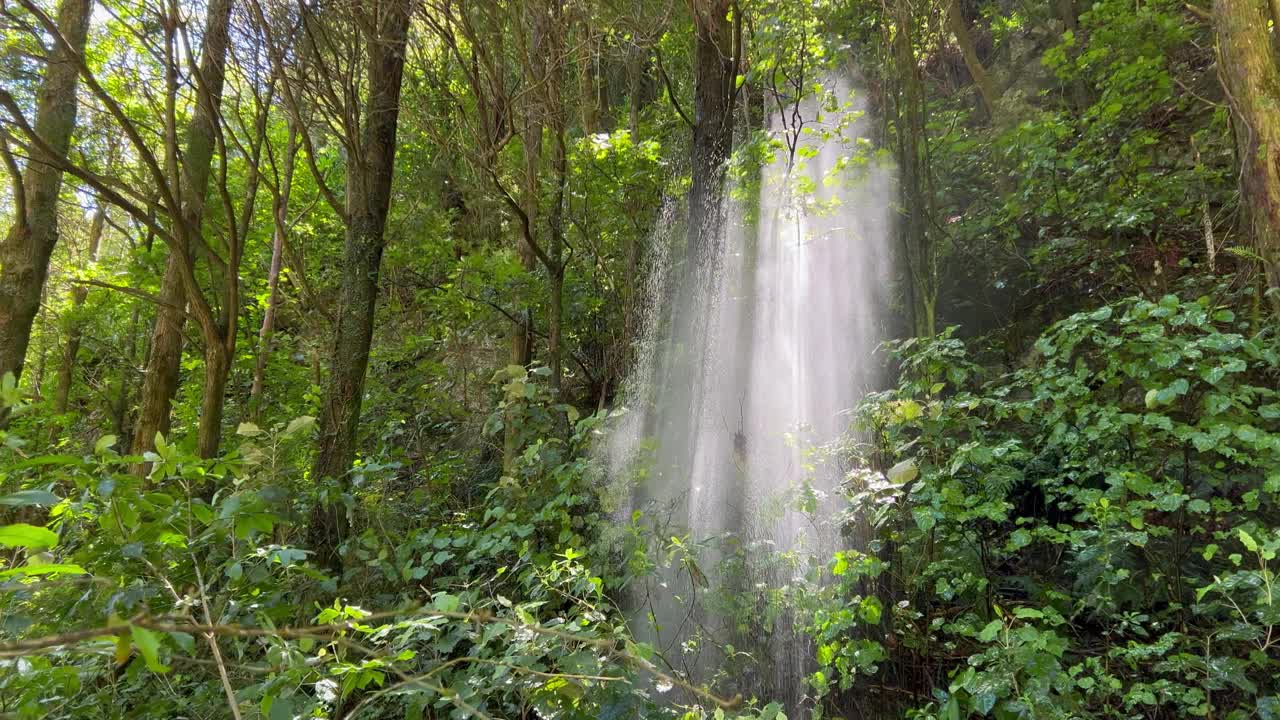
(671, 93)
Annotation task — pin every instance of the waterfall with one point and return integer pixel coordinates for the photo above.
(744, 378)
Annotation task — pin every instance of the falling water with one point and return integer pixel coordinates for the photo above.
(771, 339)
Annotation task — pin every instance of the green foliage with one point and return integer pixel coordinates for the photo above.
(1090, 535)
(1067, 510)
(489, 610)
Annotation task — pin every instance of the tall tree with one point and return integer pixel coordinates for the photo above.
(1250, 71)
(717, 37)
(546, 112)
(968, 51)
(918, 248)
(369, 170)
(26, 249)
(165, 359)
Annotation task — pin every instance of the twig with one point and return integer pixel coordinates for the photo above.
(607, 645)
(666, 80)
(213, 645)
(134, 292)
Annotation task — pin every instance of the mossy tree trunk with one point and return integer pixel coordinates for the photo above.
(368, 199)
(1250, 70)
(160, 381)
(715, 72)
(26, 249)
(920, 254)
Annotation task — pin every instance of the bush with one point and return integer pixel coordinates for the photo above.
(1092, 535)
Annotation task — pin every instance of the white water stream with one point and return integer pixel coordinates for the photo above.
(734, 388)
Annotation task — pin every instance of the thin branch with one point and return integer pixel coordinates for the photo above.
(19, 189)
(607, 645)
(291, 103)
(525, 225)
(126, 125)
(671, 93)
(213, 645)
(101, 185)
(134, 292)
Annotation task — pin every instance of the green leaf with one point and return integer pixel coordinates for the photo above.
(299, 424)
(104, 443)
(184, 640)
(841, 565)
(951, 711)
(904, 472)
(991, 630)
(162, 448)
(27, 536)
(870, 609)
(1247, 540)
(909, 410)
(444, 602)
(246, 429)
(23, 498)
(281, 709)
(51, 569)
(148, 644)
(924, 518)
(1150, 399)
(983, 702)
(47, 460)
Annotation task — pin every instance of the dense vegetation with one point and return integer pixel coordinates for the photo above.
(315, 316)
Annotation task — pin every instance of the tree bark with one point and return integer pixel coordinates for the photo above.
(26, 249)
(75, 324)
(217, 366)
(634, 70)
(160, 381)
(164, 360)
(986, 87)
(368, 196)
(921, 258)
(1250, 71)
(715, 71)
(556, 266)
(120, 406)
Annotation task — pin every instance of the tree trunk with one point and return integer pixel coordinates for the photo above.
(530, 204)
(986, 87)
(530, 200)
(1250, 69)
(26, 249)
(164, 361)
(160, 382)
(280, 211)
(368, 193)
(120, 407)
(715, 70)
(555, 269)
(75, 324)
(917, 245)
(217, 366)
(634, 70)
